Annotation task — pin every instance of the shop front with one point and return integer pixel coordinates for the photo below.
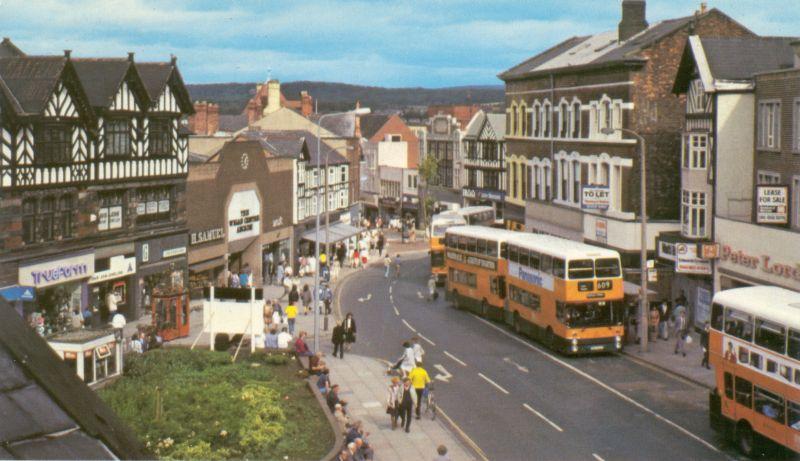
(115, 273)
(94, 355)
(684, 272)
(484, 197)
(161, 268)
(61, 287)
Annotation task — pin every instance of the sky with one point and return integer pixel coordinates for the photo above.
(396, 43)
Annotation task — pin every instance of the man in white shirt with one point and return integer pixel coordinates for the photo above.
(284, 338)
(419, 352)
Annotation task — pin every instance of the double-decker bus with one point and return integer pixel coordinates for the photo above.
(476, 268)
(754, 347)
(564, 293)
(472, 215)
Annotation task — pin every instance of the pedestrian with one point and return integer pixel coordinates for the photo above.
(419, 352)
(337, 337)
(306, 297)
(224, 278)
(136, 344)
(277, 318)
(419, 379)
(269, 269)
(663, 321)
(245, 281)
(407, 402)
(406, 361)
(284, 339)
(291, 316)
(349, 330)
(681, 332)
(432, 294)
(381, 243)
(393, 400)
(118, 323)
(76, 319)
(397, 266)
(279, 271)
(356, 257)
(112, 300)
(287, 282)
(363, 450)
(441, 450)
(300, 346)
(327, 297)
(271, 339)
(387, 263)
(652, 323)
(338, 414)
(267, 313)
(704, 344)
(235, 281)
(294, 295)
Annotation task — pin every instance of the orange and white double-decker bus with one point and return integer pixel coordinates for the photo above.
(476, 268)
(564, 293)
(754, 348)
(471, 215)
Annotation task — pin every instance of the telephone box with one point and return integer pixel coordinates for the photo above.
(170, 313)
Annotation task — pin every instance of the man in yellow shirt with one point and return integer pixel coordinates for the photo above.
(291, 314)
(419, 379)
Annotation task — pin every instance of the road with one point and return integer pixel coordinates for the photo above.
(517, 401)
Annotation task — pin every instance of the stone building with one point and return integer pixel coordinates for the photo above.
(93, 165)
(565, 109)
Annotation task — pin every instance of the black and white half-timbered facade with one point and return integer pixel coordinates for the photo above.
(484, 161)
(93, 168)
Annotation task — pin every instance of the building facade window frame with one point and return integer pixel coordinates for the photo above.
(796, 125)
(159, 142)
(154, 205)
(768, 136)
(696, 147)
(53, 143)
(694, 213)
(766, 177)
(118, 137)
(576, 119)
(537, 119)
(524, 129)
(547, 119)
(514, 114)
(109, 204)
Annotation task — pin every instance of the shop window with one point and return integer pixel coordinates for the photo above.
(110, 215)
(159, 142)
(769, 404)
(744, 392)
(153, 205)
(118, 137)
(53, 144)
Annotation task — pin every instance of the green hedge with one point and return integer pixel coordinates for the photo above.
(198, 405)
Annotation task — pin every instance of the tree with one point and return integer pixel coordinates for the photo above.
(428, 170)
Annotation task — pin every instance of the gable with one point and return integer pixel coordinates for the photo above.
(124, 100)
(487, 133)
(60, 103)
(167, 102)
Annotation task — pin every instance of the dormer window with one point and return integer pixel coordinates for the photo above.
(118, 137)
(159, 137)
(52, 142)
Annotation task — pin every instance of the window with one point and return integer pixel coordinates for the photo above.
(558, 268)
(767, 178)
(693, 216)
(576, 182)
(513, 254)
(159, 143)
(537, 119)
(695, 151)
(796, 201)
(769, 404)
(606, 115)
(769, 125)
(29, 220)
(523, 257)
(547, 120)
(607, 267)
(52, 141)
(771, 336)
(109, 216)
(755, 360)
(44, 219)
(514, 180)
(47, 218)
(66, 210)
(796, 125)
(728, 385)
(395, 138)
(548, 183)
(524, 180)
(563, 192)
(744, 392)
(153, 205)
(118, 137)
(576, 120)
(794, 345)
(581, 269)
(525, 129)
(563, 120)
(524, 298)
(512, 128)
(464, 278)
(793, 415)
(716, 316)
(739, 324)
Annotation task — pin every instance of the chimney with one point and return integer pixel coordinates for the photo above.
(213, 119)
(173, 59)
(306, 104)
(130, 56)
(357, 128)
(67, 53)
(633, 19)
(796, 47)
(273, 97)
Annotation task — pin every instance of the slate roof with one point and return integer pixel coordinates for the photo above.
(101, 78)
(8, 49)
(291, 142)
(46, 411)
(740, 58)
(371, 123)
(343, 125)
(598, 49)
(496, 122)
(232, 123)
(155, 76)
(31, 79)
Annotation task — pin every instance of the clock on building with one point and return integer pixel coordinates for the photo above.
(245, 162)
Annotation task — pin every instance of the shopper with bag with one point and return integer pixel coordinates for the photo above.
(681, 333)
(393, 400)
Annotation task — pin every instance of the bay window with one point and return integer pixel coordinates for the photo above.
(695, 151)
(693, 214)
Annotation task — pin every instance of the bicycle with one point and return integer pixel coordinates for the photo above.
(430, 401)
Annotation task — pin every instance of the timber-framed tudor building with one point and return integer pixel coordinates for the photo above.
(93, 168)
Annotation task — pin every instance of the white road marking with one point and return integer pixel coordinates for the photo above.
(500, 388)
(463, 434)
(390, 289)
(518, 366)
(369, 296)
(396, 312)
(455, 359)
(420, 296)
(426, 339)
(597, 457)
(544, 418)
(391, 299)
(445, 376)
(605, 386)
(409, 326)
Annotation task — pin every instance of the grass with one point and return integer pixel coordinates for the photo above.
(198, 405)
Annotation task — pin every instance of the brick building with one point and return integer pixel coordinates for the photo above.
(561, 102)
(462, 113)
(93, 166)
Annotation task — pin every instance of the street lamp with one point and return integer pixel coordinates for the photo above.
(356, 112)
(643, 304)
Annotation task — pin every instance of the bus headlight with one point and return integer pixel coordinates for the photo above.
(574, 344)
(618, 341)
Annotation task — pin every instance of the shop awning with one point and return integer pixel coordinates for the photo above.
(207, 265)
(18, 293)
(336, 233)
(632, 289)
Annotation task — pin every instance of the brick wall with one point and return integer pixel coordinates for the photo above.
(205, 120)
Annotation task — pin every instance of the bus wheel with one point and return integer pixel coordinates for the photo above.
(745, 439)
(548, 338)
(484, 309)
(517, 326)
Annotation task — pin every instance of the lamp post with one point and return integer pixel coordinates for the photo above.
(360, 111)
(643, 304)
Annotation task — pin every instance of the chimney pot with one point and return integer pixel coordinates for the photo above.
(130, 56)
(633, 19)
(173, 59)
(67, 53)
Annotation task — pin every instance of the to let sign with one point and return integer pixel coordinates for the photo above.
(772, 204)
(595, 197)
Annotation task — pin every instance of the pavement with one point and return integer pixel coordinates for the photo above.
(362, 380)
(661, 354)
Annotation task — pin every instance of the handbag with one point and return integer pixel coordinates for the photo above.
(389, 410)
(689, 339)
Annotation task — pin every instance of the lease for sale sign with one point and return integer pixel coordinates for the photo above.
(772, 204)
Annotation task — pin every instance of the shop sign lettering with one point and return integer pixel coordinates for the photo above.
(208, 235)
(244, 215)
(772, 204)
(763, 263)
(595, 197)
(59, 271)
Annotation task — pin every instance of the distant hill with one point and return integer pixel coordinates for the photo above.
(232, 97)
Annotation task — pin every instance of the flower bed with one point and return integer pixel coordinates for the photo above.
(198, 405)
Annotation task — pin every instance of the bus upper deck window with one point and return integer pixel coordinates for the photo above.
(581, 269)
(558, 268)
(794, 344)
(504, 250)
(533, 259)
(523, 257)
(546, 264)
(716, 316)
(771, 335)
(739, 324)
(607, 267)
(513, 254)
